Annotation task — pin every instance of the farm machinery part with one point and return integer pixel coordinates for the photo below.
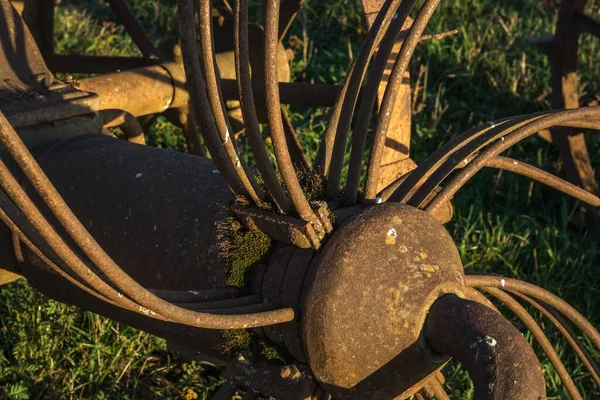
(359, 285)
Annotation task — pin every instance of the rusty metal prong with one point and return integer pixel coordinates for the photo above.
(225, 392)
(538, 293)
(390, 95)
(465, 153)
(367, 103)
(439, 35)
(199, 100)
(567, 332)
(42, 227)
(23, 238)
(552, 119)
(521, 168)
(150, 304)
(539, 336)
(402, 189)
(280, 145)
(134, 28)
(195, 296)
(217, 104)
(339, 123)
(246, 95)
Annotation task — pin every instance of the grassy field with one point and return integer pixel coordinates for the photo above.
(503, 223)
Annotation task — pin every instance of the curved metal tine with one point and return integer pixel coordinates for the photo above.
(196, 296)
(540, 337)
(198, 99)
(390, 95)
(369, 97)
(326, 148)
(134, 28)
(49, 235)
(225, 392)
(568, 333)
(246, 93)
(461, 155)
(521, 168)
(538, 293)
(149, 304)
(217, 104)
(23, 238)
(404, 190)
(282, 154)
(352, 83)
(222, 304)
(552, 119)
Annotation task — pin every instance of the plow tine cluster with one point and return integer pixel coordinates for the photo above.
(128, 294)
(374, 308)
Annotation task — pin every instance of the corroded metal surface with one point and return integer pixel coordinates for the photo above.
(364, 288)
(363, 316)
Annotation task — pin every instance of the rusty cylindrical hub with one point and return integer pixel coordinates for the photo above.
(364, 317)
(375, 282)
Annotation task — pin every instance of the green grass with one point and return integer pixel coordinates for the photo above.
(503, 223)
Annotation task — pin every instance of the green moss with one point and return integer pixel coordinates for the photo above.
(237, 340)
(245, 340)
(243, 250)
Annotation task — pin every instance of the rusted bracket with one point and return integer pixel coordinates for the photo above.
(282, 228)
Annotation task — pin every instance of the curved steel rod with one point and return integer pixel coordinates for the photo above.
(463, 155)
(568, 333)
(425, 169)
(487, 281)
(42, 227)
(521, 168)
(540, 337)
(474, 140)
(498, 147)
(391, 93)
(217, 105)
(252, 127)
(199, 101)
(286, 168)
(339, 123)
(104, 262)
(369, 97)
(23, 238)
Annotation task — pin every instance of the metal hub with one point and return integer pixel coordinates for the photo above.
(376, 279)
